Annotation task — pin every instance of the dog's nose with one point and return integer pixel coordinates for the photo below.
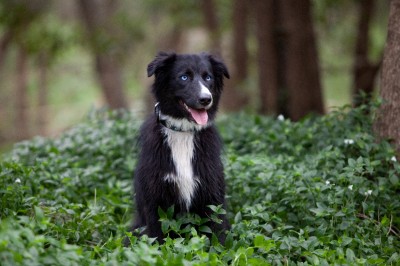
(205, 100)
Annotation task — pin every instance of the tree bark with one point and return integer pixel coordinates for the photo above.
(240, 32)
(41, 118)
(267, 56)
(236, 98)
(387, 123)
(211, 22)
(97, 15)
(173, 40)
(4, 43)
(21, 97)
(302, 73)
(364, 71)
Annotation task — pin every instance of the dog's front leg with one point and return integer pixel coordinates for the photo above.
(153, 225)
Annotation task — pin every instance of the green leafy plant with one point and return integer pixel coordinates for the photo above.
(321, 191)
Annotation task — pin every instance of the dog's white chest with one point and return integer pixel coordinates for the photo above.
(182, 151)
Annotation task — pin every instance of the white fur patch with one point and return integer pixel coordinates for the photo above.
(182, 150)
(206, 91)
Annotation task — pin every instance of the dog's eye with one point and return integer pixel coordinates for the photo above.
(208, 78)
(184, 77)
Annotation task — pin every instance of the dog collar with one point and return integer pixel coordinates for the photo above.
(165, 123)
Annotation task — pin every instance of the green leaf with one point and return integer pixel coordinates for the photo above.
(261, 242)
(394, 179)
(249, 251)
(163, 215)
(205, 229)
(395, 258)
(385, 221)
(229, 240)
(38, 213)
(351, 162)
(213, 208)
(165, 225)
(346, 240)
(170, 212)
(350, 256)
(238, 217)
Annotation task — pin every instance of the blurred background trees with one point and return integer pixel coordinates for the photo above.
(106, 47)
(59, 59)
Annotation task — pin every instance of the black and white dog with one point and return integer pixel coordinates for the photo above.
(179, 162)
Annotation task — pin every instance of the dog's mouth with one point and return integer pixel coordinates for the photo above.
(200, 116)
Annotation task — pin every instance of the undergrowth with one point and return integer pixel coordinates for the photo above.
(321, 191)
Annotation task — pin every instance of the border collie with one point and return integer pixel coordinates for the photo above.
(179, 162)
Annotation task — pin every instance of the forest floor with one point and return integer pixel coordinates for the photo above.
(320, 191)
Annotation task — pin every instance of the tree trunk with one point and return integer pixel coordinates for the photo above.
(280, 43)
(97, 15)
(211, 22)
(387, 124)
(364, 71)
(21, 97)
(41, 118)
(4, 43)
(267, 56)
(173, 41)
(236, 98)
(109, 74)
(240, 30)
(302, 73)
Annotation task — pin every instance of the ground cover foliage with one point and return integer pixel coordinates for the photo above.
(317, 192)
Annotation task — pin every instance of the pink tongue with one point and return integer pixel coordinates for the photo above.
(200, 116)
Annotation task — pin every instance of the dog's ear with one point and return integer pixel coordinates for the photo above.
(162, 59)
(219, 66)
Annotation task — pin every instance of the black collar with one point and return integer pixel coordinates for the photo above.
(164, 122)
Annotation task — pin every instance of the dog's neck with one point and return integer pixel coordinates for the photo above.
(177, 124)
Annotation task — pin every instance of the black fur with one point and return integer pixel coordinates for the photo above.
(155, 160)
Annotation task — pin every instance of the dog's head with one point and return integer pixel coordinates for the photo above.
(188, 86)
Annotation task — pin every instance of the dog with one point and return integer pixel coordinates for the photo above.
(179, 162)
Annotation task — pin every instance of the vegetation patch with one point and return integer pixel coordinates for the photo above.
(321, 191)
